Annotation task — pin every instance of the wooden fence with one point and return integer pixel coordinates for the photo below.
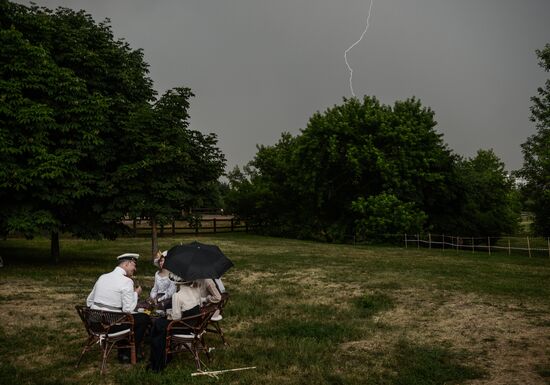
(205, 225)
(528, 245)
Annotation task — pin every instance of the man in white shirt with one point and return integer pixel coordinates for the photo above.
(115, 291)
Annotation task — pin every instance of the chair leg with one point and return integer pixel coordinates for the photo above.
(106, 349)
(205, 348)
(220, 332)
(133, 359)
(80, 358)
(89, 343)
(196, 356)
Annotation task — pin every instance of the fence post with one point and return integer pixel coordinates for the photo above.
(173, 227)
(418, 241)
(214, 222)
(548, 247)
(489, 244)
(509, 250)
(231, 224)
(430, 240)
(529, 247)
(457, 242)
(406, 241)
(473, 246)
(443, 242)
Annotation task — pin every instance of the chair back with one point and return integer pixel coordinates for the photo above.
(100, 321)
(195, 324)
(187, 334)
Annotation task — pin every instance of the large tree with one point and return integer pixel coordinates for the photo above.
(536, 153)
(49, 127)
(306, 185)
(363, 148)
(166, 166)
(84, 140)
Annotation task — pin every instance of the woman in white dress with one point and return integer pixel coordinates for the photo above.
(164, 288)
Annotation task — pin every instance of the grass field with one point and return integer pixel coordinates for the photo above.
(300, 312)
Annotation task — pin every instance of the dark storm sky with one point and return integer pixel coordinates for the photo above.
(260, 67)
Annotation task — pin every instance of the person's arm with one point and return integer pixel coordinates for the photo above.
(129, 297)
(90, 299)
(214, 295)
(170, 291)
(155, 289)
(176, 307)
(220, 285)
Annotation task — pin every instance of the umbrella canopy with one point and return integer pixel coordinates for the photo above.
(196, 261)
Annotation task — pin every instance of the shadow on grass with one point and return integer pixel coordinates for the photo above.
(370, 304)
(431, 365)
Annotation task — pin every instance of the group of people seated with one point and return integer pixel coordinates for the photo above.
(115, 291)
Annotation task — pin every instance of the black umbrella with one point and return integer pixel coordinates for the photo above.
(197, 260)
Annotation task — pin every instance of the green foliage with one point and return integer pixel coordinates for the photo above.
(304, 186)
(49, 124)
(165, 166)
(490, 205)
(194, 221)
(385, 214)
(536, 154)
(263, 194)
(84, 140)
(369, 170)
(67, 88)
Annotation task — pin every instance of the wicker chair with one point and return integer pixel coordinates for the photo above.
(108, 330)
(187, 334)
(217, 317)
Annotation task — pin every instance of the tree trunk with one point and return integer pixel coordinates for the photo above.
(154, 239)
(54, 247)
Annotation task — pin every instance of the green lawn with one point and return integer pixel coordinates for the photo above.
(300, 312)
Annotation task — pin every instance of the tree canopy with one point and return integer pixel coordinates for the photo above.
(371, 170)
(166, 167)
(536, 153)
(85, 142)
(490, 205)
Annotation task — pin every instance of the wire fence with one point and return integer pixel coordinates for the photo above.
(531, 246)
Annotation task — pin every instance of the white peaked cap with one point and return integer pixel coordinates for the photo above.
(132, 256)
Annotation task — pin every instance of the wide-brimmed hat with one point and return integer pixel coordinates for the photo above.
(159, 256)
(178, 280)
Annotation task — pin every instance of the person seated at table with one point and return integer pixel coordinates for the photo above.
(185, 303)
(209, 291)
(164, 287)
(115, 292)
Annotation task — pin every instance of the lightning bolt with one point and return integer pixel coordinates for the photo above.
(353, 45)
